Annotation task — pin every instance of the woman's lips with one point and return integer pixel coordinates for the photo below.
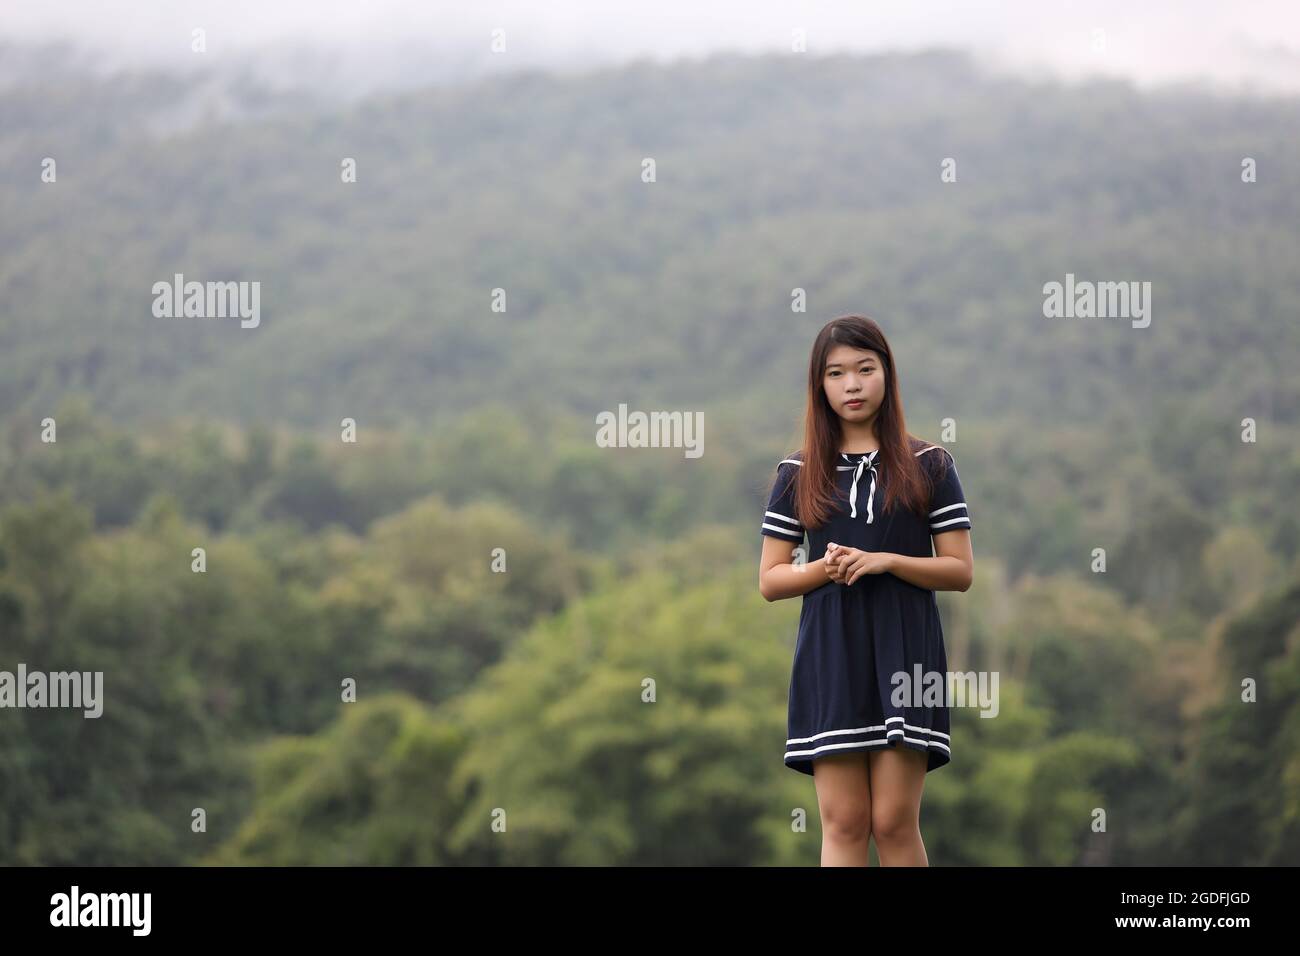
(855, 404)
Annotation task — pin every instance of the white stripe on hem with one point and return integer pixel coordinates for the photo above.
(865, 743)
(867, 730)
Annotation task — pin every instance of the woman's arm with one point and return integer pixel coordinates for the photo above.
(779, 578)
(951, 569)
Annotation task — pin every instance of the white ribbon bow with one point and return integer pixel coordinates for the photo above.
(869, 462)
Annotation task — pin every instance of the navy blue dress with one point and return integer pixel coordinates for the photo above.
(854, 638)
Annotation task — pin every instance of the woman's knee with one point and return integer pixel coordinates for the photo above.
(893, 822)
(846, 820)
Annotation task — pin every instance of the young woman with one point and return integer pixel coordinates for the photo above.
(871, 499)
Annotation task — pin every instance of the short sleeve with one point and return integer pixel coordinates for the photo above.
(779, 519)
(948, 510)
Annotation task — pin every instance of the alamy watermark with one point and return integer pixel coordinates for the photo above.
(83, 689)
(209, 300)
(651, 430)
(946, 689)
(76, 908)
(1099, 300)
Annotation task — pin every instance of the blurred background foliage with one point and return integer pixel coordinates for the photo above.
(520, 696)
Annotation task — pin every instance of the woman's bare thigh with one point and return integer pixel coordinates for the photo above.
(843, 784)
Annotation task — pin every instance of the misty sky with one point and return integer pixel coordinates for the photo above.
(379, 43)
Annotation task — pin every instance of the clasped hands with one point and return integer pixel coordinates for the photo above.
(845, 565)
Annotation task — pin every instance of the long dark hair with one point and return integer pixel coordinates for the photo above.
(905, 480)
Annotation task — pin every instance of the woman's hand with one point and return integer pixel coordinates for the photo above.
(845, 565)
(834, 555)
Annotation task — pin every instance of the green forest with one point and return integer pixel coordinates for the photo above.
(497, 589)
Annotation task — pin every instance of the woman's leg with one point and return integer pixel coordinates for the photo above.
(898, 777)
(843, 784)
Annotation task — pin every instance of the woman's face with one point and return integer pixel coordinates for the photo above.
(854, 374)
